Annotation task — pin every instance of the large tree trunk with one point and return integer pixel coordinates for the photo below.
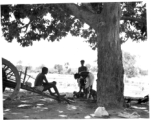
(110, 84)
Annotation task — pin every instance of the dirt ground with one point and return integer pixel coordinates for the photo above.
(33, 106)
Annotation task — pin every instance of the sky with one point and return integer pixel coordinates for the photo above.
(69, 49)
(141, 50)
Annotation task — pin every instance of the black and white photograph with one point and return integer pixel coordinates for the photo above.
(75, 60)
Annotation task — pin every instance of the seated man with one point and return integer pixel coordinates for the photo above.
(89, 79)
(42, 84)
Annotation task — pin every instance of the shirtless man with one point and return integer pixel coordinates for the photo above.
(81, 80)
(42, 84)
(82, 68)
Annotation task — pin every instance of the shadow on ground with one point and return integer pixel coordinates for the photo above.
(37, 107)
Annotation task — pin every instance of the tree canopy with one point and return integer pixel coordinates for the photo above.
(32, 22)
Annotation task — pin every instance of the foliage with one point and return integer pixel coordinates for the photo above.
(19, 67)
(59, 68)
(69, 71)
(134, 23)
(73, 71)
(143, 72)
(52, 70)
(28, 23)
(39, 68)
(19, 62)
(66, 65)
(30, 68)
(128, 64)
(94, 69)
(88, 66)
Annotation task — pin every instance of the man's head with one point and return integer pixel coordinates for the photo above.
(82, 62)
(44, 70)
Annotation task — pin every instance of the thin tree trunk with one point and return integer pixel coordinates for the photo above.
(110, 84)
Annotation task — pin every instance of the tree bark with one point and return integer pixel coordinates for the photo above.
(110, 84)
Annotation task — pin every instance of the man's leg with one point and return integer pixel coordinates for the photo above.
(80, 89)
(52, 85)
(85, 92)
(51, 93)
(49, 86)
(57, 92)
(81, 85)
(90, 89)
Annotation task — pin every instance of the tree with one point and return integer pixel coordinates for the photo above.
(66, 65)
(19, 62)
(59, 68)
(129, 65)
(103, 32)
(94, 69)
(29, 68)
(19, 67)
(88, 66)
(69, 71)
(143, 72)
(39, 68)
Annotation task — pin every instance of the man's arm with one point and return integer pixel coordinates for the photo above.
(45, 79)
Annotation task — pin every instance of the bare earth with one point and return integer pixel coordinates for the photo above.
(33, 106)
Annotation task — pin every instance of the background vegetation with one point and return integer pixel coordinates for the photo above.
(129, 64)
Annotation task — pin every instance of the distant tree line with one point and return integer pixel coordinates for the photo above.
(128, 63)
(131, 70)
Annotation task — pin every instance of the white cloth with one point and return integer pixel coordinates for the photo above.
(40, 88)
(128, 115)
(89, 80)
(100, 112)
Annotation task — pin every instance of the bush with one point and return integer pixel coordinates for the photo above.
(94, 69)
(19, 67)
(59, 68)
(143, 72)
(129, 65)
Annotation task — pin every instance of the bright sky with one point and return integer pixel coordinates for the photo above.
(69, 49)
(141, 50)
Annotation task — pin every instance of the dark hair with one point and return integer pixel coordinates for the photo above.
(76, 76)
(82, 61)
(44, 69)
